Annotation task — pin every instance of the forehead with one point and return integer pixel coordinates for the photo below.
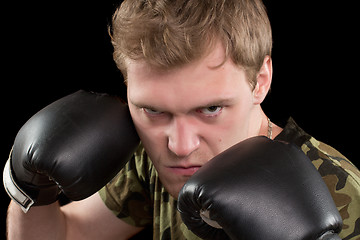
(195, 84)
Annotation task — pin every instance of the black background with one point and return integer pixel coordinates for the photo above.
(52, 49)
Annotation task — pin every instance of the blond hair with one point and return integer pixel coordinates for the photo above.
(171, 33)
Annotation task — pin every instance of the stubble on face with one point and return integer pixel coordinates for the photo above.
(166, 162)
(168, 111)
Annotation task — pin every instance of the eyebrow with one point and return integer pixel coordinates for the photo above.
(220, 102)
(142, 105)
(216, 102)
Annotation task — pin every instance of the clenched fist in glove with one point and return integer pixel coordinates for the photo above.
(75, 146)
(259, 189)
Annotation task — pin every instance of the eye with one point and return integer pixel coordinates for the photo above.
(152, 112)
(211, 111)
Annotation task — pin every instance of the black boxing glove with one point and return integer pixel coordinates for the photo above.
(259, 189)
(74, 145)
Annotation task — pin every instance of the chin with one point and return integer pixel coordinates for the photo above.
(173, 189)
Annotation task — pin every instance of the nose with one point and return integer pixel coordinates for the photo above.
(182, 137)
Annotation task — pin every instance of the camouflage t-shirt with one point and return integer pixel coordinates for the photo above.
(137, 196)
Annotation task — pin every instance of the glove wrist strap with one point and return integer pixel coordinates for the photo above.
(14, 191)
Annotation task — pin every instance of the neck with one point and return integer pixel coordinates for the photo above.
(260, 124)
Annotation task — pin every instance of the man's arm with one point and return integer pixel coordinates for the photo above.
(86, 219)
(45, 222)
(75, 146)
(272, 191)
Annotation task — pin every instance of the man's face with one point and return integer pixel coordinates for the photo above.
(187, 116)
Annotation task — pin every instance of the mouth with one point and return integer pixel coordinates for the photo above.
(184, 171)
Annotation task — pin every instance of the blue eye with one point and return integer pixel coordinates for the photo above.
(211, 111)
(151, 111)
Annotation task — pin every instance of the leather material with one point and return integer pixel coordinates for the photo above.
(259, 189)
(74, 145)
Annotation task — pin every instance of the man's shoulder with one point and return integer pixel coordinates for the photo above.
(340, 175)
(322, 155)
(343, 181)
(325, 158)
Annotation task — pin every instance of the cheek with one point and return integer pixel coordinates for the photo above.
(140, 125)
(152, 138)
(232, 129)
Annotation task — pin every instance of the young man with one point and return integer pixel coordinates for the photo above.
(197, 72)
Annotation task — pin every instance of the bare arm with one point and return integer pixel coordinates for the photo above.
(86, 219)
(45, 222)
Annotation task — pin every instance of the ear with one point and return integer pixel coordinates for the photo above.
(264, 78)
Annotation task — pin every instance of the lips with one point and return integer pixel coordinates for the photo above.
(184, 171)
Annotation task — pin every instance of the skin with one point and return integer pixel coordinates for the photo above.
(188, 115)
(184, 117)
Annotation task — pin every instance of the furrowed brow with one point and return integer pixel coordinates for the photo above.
(223, 102)
(220, 102)
(143, 105)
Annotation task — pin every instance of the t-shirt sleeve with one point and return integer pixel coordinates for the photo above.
(128, 194)
(343, 180)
